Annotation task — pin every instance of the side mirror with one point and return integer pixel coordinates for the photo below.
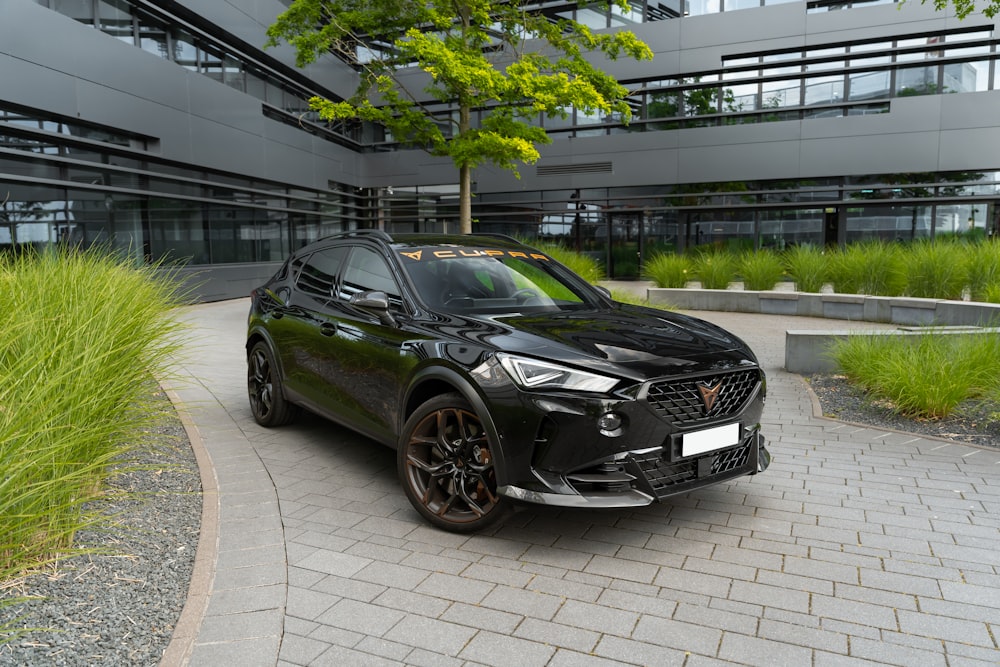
(603, 290)
(375, 301)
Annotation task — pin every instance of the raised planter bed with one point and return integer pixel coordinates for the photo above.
(855, 307)
(806, 350)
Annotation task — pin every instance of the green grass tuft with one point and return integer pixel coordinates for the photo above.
(83, 335)
(807, 267)
(936, 270)
(982, 264)
(715, 270)
(761, 269)
(922, 376)
(669, 270)
(872, 267)
(583, 265)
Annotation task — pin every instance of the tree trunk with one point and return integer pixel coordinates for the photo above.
(465, 199)
(464, 176)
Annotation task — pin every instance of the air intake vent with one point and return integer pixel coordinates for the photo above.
(564, 169)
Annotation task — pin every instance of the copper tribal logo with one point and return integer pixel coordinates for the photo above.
(709, 394)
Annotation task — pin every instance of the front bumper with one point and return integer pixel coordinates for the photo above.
(638, 478)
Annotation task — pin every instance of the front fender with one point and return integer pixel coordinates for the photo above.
(435, 377)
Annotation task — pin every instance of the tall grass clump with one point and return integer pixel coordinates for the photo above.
(872, 267)
(936, 270)
(991, 294)
(807, 267)
(669, 270)
(715, 270)
(761, 270)
(83, 333)
(982, 264)
(583, 265)
(925, 375)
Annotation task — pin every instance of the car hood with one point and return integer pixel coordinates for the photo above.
(635, 342)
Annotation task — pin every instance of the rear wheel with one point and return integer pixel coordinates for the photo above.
(445, 463)
(267, 401)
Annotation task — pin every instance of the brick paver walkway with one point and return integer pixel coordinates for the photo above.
(857, 546)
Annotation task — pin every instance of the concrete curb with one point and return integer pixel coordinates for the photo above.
(854, 307)
(178, 652)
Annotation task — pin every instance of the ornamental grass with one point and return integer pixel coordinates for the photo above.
(583, 265)
(926, 375)
(669, 270)
(761, 269)
(982, 266)
(807, 267)
(936, 270)
(875, 268)
(715, 268)
(84, 335)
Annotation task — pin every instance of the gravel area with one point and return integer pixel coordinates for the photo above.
(973, 422)
(119, 607)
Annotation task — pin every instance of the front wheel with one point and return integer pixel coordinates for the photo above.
(445, 463)
(267, 401)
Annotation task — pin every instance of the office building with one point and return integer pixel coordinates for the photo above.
(165, 129)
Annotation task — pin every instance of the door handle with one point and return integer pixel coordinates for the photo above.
(328, 329)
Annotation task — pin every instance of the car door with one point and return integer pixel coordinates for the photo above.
(359, 367)
(302, 327)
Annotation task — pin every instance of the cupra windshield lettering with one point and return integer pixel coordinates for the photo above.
(422, 255)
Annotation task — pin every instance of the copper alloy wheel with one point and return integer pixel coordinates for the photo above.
(267, 402)
(447, 466)
(259, 385)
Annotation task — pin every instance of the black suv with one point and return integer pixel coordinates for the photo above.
(498, 375)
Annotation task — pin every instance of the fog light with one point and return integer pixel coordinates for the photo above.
(610, 424)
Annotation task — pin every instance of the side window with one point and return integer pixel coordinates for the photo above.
(367, 270)
(319, 272)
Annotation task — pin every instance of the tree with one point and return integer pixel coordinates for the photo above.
(963, 8)
(495, 57)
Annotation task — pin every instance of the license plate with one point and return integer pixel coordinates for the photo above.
(710, 439)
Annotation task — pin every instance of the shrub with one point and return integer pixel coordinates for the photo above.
(871, 267)
(761, 270)
(936, 270)
(669, 270)
(83, 335)
(715, 270)
(806, 265)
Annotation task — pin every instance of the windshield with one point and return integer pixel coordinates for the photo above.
(490, 280)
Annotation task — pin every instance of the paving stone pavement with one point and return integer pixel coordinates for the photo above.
(857, 546)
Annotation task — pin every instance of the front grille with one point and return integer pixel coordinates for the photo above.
(662, 474)
(682, 401)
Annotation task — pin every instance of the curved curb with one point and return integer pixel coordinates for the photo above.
(817, 413)
(178, 651)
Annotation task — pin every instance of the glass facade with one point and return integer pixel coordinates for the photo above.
(62, 181)
(286, 98)
(623, 226)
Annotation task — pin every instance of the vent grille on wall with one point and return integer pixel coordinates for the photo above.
(585, 168)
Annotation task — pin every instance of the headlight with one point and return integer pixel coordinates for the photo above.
(532, 374)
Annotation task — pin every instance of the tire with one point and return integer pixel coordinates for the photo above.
(446, 467)
(267, 399)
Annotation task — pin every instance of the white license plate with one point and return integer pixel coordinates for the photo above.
(700, 442)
